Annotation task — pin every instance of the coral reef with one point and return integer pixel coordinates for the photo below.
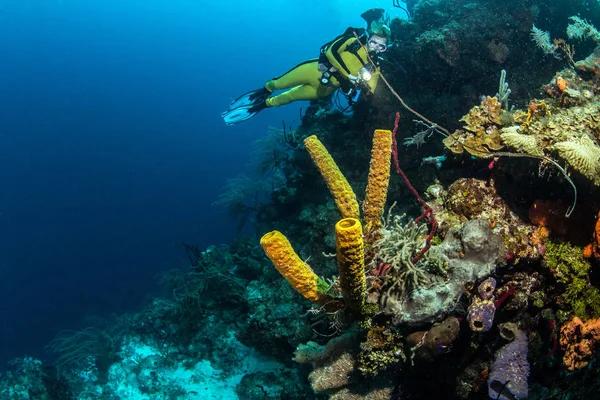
(469, 198)
(568, 266)
(481, 135)
(381, 348)
(471, 252)
(408, 305)
(570, 131)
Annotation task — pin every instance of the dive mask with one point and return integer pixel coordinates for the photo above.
(380, 47)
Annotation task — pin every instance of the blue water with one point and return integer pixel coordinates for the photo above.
(112, 148)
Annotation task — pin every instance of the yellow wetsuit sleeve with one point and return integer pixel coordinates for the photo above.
(334, 55)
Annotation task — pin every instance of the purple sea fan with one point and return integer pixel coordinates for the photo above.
(480, 315)
(509, 373)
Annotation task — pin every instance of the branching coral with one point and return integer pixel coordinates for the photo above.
(80, 351)
(398, 245)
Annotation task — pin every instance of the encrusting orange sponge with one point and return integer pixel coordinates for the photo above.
(593, 249)
(344, 197)
(294, 270)
(351, 263)
(379, 179)
(578, 339)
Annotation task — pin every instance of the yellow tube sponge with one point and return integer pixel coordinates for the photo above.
(351, 263)
(294, 270)
(379, 179)
(344, 197)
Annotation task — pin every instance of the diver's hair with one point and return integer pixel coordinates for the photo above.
(379, 28)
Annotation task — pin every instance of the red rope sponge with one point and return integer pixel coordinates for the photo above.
(427, 211)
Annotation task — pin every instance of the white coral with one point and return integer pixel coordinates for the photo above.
(583, 155)
(523, 143)
(581, 29)
(542, 40)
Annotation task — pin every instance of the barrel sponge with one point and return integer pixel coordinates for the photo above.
(351, 262)
(294, 270)
(344, 197)
(480, 315)
(379, 179)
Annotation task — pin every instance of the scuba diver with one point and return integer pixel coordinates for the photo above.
(343, 64)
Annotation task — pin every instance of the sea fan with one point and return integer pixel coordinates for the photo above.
(583, 155)
(542, 40)
(581, 29)
(522, 143)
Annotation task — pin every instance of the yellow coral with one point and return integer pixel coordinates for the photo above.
(379, 179)
(523, 143)
(351, 262)
(294, 270)
(583, 155)
(481, 136)
(488, 112)
(344, 197)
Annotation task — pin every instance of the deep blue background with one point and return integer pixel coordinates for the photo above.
(112, 148)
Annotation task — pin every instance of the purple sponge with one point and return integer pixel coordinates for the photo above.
(508, 376)
(480, 315)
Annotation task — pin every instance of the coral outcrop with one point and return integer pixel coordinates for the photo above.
(472, 252)
(578, 340)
